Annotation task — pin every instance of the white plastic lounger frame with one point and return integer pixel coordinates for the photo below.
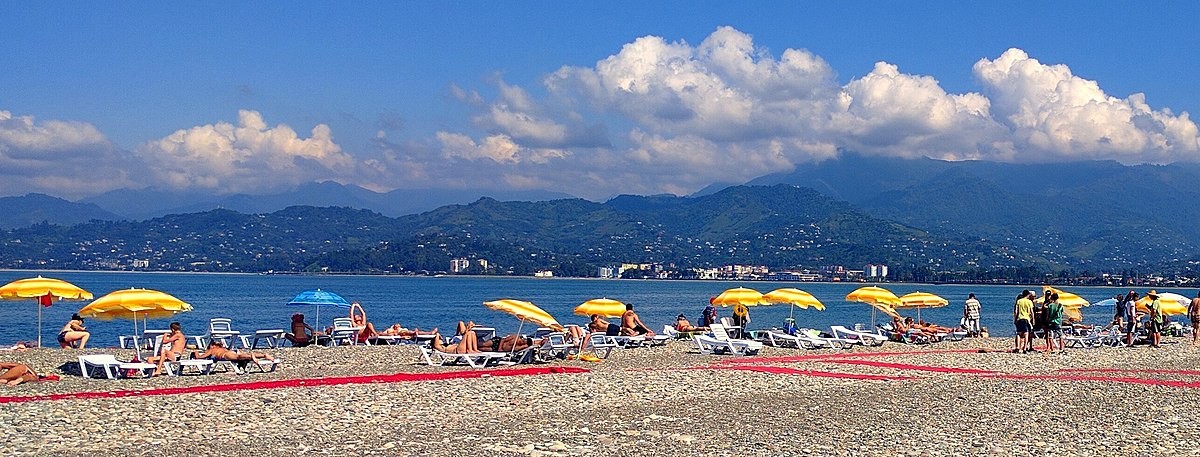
(863, 338)
(111, 367)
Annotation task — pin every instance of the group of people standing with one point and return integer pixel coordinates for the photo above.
(1044, 315)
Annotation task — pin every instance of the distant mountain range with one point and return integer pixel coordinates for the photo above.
(1081, 216)
(141, 204)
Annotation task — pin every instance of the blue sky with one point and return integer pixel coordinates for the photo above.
(589, 99)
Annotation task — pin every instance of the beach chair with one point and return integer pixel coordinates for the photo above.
(863, 338)
(90, 365)
(718, 341)
(599, 341)
(555, 345)
(473, 360)
(833, 342)
(182, 366)
(219, 328)
(343, 331)
(780, 339)
(268, 338)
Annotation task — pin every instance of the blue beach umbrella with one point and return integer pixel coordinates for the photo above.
(319, 298)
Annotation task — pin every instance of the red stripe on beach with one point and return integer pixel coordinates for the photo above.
(1126, 370)
(1127, 380)
(837, 355)
(814, 373)
(286, 383)
(905, 366)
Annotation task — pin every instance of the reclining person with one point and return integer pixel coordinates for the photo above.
(683, 324)
(217, 351)
(397, 330)
(16, 373)
(468, 344)
(601, 325)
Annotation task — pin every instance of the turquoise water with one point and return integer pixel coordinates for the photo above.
(259, 302)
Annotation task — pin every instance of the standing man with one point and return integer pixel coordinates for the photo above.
(1022, 318)
(971, 309)
(1156, 319)
(1131, 318)
(1194, 315)
(1054, 313)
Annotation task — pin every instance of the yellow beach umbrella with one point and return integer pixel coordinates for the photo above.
(44, 289)
(602, 306)
(740, 295)
(1067, 299)
(795, 298)
(134, 304)
(525, 311)
(1172, 304)
(920, 300)
(879, 298)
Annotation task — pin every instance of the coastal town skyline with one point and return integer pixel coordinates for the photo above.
(588, 100)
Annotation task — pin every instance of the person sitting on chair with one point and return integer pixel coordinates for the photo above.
(172, 347)
(632, 325)
(302, 334)
(468, 344)
(366, 328)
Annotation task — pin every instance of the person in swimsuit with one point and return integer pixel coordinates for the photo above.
(683, 325)
(632, 325)
(302, 334)
(366, 328)
(601, 325)
(172, 347)
(16, 373)
(217, 351)
(72, 332)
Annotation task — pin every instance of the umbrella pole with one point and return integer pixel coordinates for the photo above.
(39, 307)
(317, 320)
(511, 350)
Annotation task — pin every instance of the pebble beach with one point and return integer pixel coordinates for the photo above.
(954, 398)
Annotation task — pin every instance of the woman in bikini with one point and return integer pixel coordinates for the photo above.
(302, 334)
(469, 343)
(72, 332)
(366, 328)
(172, 346)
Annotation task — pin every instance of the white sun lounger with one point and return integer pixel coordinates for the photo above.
(863, 338)
(111, 367)
(474, 359)
(718, 341)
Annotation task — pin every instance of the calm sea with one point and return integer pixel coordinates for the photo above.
(259, 302)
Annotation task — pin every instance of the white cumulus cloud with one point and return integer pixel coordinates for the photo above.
(248, 157)
(62, 158)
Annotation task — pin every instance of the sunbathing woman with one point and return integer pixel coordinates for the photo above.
(217, 351)
(397, 330)
(469, 344)
(366, 328)
(16, 373)
(683, 325)
(172, 347)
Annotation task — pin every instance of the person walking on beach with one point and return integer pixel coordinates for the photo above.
(1156, 319)
(1054, 314)
(1130, 316)
(971, 310)
(1194, 316)
(1022, 317)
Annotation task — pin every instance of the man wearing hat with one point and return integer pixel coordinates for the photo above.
(1156, 319)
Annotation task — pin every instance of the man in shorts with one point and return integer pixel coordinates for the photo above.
(1053, 324)
(1156, 319)
(1194, 315)
(1023, 319)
